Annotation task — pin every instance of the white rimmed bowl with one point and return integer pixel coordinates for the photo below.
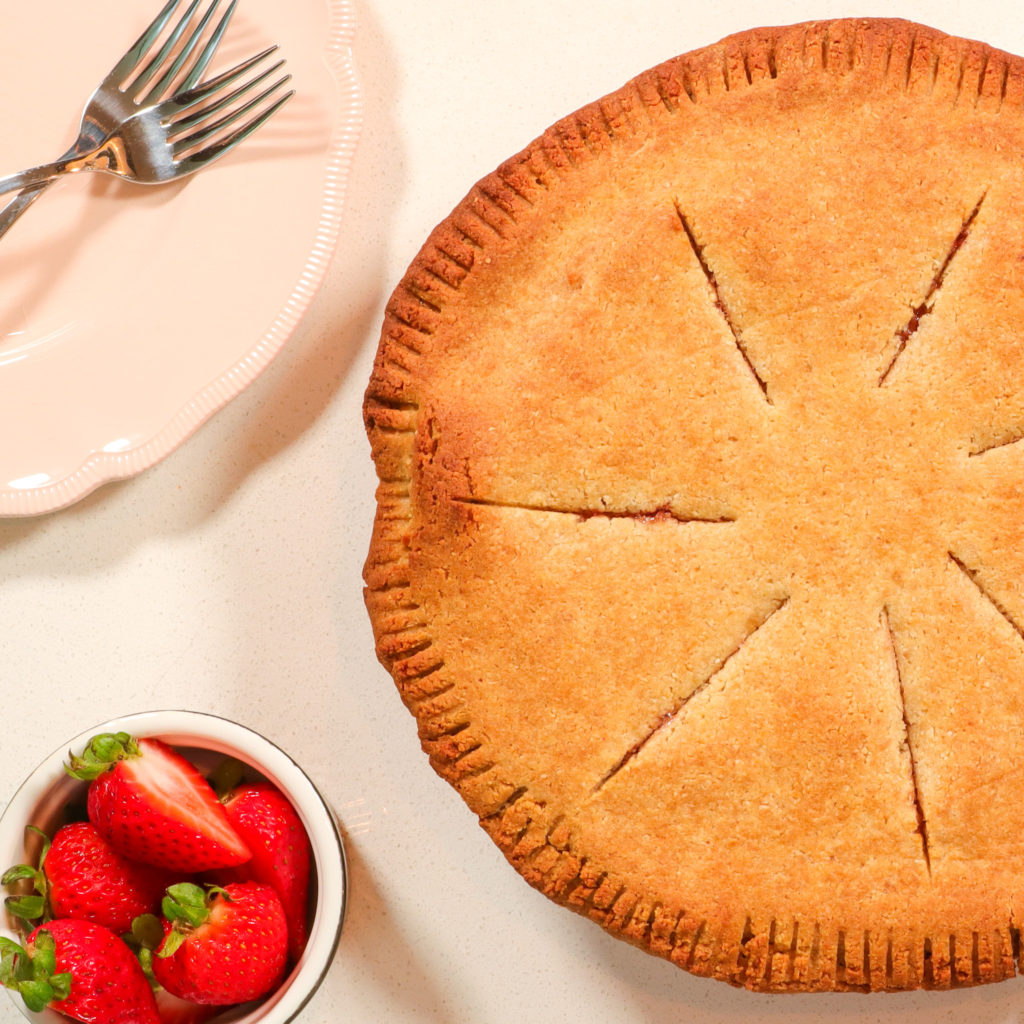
(44, 797)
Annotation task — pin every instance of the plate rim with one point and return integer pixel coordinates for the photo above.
(100, 467)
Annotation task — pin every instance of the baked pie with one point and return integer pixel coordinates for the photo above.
(699, 551)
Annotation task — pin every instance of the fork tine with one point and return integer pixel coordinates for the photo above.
(206, 156)
(203, 60)
(181, 124)
(131, 60)
(156, 63)
(161, 86)
(191, 97)
(217, 127)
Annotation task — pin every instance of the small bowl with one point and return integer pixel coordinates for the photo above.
(44, 797)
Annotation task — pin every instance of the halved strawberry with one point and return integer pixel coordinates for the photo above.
(152, 805)
(281, 853)
(226, 946)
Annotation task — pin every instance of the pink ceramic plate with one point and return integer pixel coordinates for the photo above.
(217, 269)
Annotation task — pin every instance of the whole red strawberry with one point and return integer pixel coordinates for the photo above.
(223, 947)
(152, 805)
(81, 875)
(264, 817)
(80, 969)
(89, 880)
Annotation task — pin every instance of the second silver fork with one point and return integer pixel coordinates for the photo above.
(141, 78)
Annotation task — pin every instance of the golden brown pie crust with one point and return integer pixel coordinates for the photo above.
(699, 552)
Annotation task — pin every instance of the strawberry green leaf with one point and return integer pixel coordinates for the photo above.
(44, 955)
(100, 755)
(226, 776)
(110, 747)
(28, 908)
(17, 874)
(172, 943)
(147, 932)
(36, 993)
(45, 848)
(145, 958)
(23, 970)
(39, 832)
(10, 954)
(61, 985)
(15, 963)
(185, 903)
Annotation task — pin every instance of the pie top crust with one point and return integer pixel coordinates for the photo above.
(700, 535)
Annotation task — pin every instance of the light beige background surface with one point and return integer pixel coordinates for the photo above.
(228, 578)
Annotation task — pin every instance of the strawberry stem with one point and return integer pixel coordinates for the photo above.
(100, 755)
(185, 903)
(186, 906)
(143, 940)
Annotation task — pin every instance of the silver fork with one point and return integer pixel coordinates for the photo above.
(176, 137)
(117, 96)
(140, 78)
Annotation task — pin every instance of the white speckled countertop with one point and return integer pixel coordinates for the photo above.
(227, 578)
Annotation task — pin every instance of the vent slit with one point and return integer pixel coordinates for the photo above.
(672, 713)
(719, 301)
(972, 575)
(911, 327)
(922, 822)
(1004, 442)
(662, 514)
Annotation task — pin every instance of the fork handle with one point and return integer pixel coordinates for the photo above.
(95, 160)
(19, 204)
(41, 175)
(34, 181)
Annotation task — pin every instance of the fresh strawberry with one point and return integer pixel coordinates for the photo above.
(264, 817)
(226, 946)
(80, 969)
(145, 938)
(152, 805)
(89, 880)
(81, 875)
